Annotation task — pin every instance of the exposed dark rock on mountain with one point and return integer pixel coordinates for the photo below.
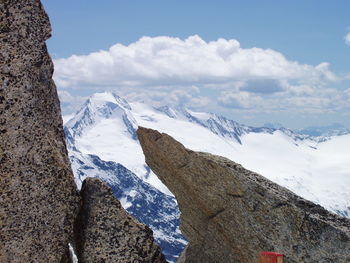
(107, 233)
(38, 196)
(144, 202)
(230, 214)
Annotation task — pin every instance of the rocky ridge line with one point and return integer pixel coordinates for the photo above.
(230, 214)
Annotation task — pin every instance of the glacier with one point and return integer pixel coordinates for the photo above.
(102, 142)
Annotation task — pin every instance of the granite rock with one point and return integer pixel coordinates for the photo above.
(38, 196)
(230, 214)
(105, 232)
(39, 200)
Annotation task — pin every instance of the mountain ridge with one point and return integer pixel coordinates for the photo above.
(102, 134)
(297, 156)
(144, 202)
(230, 214)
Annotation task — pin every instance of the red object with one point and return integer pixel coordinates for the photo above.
(270, 257)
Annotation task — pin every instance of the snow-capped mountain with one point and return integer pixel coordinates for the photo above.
(106, 127)
(146, 203)
(334, 129)
(102, 142)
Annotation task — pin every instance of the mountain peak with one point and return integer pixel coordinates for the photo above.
(102, 106)
(106, 98)
(170, 112)
(273, 125)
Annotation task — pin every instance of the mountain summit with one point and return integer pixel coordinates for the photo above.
(315, 168)
(103, 143)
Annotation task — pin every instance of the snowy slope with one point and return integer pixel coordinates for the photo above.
(105, 127)
(316, 168)
(102, 143)
(146, 203)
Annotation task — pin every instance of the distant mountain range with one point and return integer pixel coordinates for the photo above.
(334, 129)
(102, 142)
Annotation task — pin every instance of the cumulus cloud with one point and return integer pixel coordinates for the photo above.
(211, 76)
(70, 103)
(171, 96)
(263, 86)
(239, 100)
(347, 39)
(172, 61)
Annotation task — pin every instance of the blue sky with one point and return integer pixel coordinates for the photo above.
(294, 56)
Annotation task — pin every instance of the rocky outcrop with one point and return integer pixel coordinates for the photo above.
(38, 198)
(230, 214)
(39, 202)
(105, 232)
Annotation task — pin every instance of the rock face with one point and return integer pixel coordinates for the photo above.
(38, 197)
(230, 214)
(39, 202)
(106, 233)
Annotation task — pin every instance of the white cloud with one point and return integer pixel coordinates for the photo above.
(211, 76)
(239, 100)
(70, 103)
(200, 102)
(172, 61)
(347, 39)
